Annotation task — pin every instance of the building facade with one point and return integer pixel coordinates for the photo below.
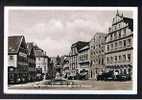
(84, 61)
(41, 61)
(119, 45)
(31, 61)
(17, 59)
(73, 60)
(97, 55)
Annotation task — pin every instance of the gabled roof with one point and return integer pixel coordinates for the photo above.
(80, 44)
(126, 20)
(14, 43)
(129, 21)
(40, 53)
(84, 48)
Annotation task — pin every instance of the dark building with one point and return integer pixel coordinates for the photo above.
(84, 61)
(73, 60)
(31, 61)
(17, 59)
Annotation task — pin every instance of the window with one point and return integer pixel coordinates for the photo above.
(99, 62)
(119, 57)
(124, 57)
(94, 47)
(102, 61)
(115, 27)
(11, 76)
(115, 58)
(111, 59)
(39, 58)
(116, 45)
(124, 30)
(99, 45)
(119, 33)
(107, 59)
(120, 43)
(120, 25)
(129, 41)
(107, 47)
(129, 57)
(11, 57)
(111, 37)
(124, 43)
(113, 20)
(125, 72)
(115, 35)
(111, 46)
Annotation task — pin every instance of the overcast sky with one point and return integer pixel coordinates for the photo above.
(56, 30)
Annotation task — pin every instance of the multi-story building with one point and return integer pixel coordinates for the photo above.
(73, 60)
(17, 59)
(41, 61)
(119, 45)
(84, 61)
(31, 61)
(97, 55)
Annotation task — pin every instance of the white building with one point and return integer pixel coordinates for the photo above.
(119, 45)
(97, 55)
(41, 60)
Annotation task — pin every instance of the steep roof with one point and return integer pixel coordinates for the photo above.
(129, 21)
(14, 43)
(126, 20)
(80, 44)
(86, 47)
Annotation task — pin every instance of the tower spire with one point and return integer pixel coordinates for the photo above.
(117, 13)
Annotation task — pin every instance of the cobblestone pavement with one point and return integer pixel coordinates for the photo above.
(79, 84)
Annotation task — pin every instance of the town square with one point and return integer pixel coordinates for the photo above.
(70, 50)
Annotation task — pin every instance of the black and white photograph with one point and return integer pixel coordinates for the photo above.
(70, 50)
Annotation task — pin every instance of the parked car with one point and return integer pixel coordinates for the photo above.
(110, 76)
(123, 77)
(106, 76)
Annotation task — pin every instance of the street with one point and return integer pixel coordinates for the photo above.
(78, 85)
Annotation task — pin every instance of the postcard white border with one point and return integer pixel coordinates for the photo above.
(16, 91)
